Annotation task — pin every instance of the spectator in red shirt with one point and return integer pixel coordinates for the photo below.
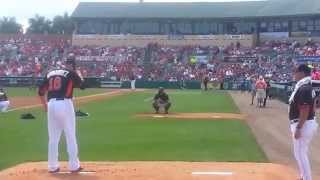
(261, 86)
(315, 74)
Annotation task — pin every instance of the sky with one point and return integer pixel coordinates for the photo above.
(22, 10)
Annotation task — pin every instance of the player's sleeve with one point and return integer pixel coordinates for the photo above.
(43, 88)
(305, 97)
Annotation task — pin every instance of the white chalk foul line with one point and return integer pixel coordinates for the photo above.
(79, 98)
(82, 172)
(213, 173)
(25, 107)
(101, 94)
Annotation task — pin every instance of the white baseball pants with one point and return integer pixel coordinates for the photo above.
(301, 147)
(133, 84)
(61, 118)
(4, 105)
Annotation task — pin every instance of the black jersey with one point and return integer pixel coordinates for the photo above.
(302, 97)
(59, 84)
(161, 96)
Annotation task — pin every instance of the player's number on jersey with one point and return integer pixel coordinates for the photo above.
(55, 83)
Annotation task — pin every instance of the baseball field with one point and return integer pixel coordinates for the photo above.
(122, 139)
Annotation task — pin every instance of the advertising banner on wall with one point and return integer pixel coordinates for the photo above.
(274, 35)
(300, 34)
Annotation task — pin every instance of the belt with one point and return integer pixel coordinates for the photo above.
(297, 120)
(294, 121)
(58, 99)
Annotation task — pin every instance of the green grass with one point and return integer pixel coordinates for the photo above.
(199, 101)
(18, 92)
(113, 133)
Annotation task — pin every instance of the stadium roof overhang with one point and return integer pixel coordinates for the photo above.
(247, 9)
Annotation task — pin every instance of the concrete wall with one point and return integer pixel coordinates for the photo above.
(143, 40)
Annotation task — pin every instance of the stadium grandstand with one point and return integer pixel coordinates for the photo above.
(205, 23)
(291, 17)
(227, 41)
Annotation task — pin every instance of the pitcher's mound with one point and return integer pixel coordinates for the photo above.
(154, 171)
(195, 115)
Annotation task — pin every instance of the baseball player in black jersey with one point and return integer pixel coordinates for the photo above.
(58, 85)
(205, 82)
(302, 119)
(4, 101)
(161, 100)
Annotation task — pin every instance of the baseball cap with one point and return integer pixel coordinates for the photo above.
(304, 69)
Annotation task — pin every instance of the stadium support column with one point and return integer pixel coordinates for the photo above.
(147, 60)
(258, 25)
(290, 28)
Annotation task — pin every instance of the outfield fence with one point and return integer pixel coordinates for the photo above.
(96, 82)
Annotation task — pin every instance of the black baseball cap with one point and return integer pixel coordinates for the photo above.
(304, 69)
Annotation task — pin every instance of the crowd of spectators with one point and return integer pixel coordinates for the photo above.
(273, 60)
(22, 57)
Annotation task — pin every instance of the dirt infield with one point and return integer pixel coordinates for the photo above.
(154, 171)
(16, 102)
(213, 116)
(270, 126)
(19, 103)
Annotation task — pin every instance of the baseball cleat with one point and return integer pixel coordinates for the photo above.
(54, 171)
(77, 170)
